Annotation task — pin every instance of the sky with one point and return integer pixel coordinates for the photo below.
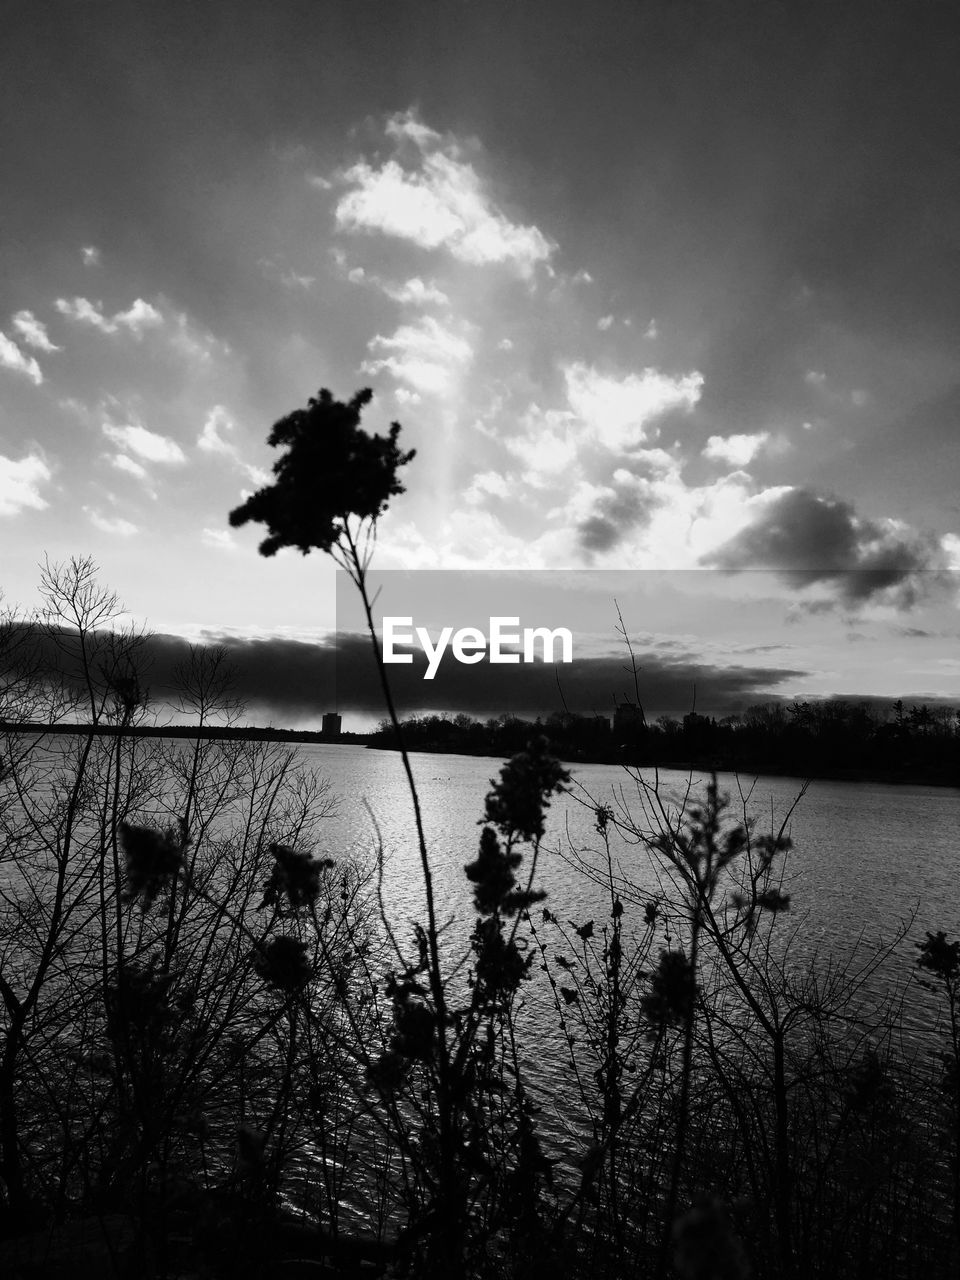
(650, 287)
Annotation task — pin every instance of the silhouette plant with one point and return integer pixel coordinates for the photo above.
(332, 484)
(145, 1011)
(332, 471)
(941, 959)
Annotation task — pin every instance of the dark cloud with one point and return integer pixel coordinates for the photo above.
(587, 685)
(808, 539)
(288, 682)
(283, 681)
(276, 677)
(614, 515)
(598, 534)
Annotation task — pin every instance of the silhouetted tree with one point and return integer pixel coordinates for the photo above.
(332, 470)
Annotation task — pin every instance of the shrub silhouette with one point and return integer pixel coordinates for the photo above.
(332, 469)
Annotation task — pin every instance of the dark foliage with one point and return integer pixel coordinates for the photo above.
(331, 470)
(940, 957)
(283, 964)
(491, 873)
(823, 739)
(518, 802)
(707, 1247)
(152, 860)
(295, 878)
(672, 991)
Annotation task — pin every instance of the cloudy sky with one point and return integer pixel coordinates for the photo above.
(663, 285)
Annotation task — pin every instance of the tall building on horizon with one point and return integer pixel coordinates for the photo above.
(628, 715)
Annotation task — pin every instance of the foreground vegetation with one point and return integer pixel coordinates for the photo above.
(220, 1057)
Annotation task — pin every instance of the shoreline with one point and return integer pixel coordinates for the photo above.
(905, 776)
(225, 733)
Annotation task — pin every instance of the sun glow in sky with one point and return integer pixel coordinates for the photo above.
(659, 286)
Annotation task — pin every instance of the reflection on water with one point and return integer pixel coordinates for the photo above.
(866, 858)
(865, 854)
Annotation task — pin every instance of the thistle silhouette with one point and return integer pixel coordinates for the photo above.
(332, 470)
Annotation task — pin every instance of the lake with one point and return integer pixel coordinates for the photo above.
(864, 853)
(866, 856)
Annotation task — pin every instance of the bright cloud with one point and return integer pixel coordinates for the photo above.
(403, 396)
(116, 526)
(33, 331)
(737, 450)
(218, 539)
(406, 125)
(547, 445)
(139, 315)
(643, 514)
(146, 444)
(468, 538)
(439, 203)
(123, 463)
(486, 485)
(425, 355)
(618, 410)
(20, 484)
(257, 475)
(415, 293)
(210, 439)
(602, 496)
(11, 357)
(83, 311)
(658, 520)
(91, 255)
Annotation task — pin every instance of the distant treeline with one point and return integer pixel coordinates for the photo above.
(832, 738)
(210, 732)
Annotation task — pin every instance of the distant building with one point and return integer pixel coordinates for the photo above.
(330, 726)
(627, 716)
